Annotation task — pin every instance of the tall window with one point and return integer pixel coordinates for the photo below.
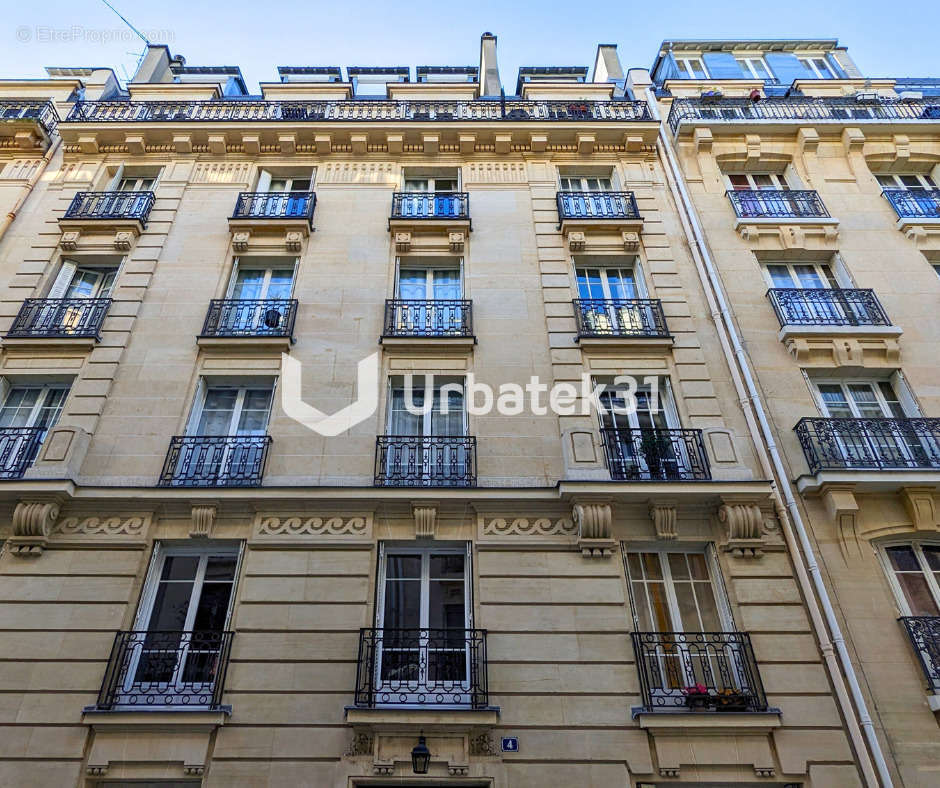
(431, 183)
(586, 183)
(801, 276)
(76, 280)
(760, 181)
(909, 182)
(859, 400)
(691, 68)
(914, 571)
(232, 410)
(35, 408)
(818, 66)
(427, 297)
(445, 415)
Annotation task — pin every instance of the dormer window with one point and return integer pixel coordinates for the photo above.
(818, 66)
(754, 67)
(691, 68)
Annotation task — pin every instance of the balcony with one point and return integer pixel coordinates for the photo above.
(267, 321)
(924, 632)
(651, 454)
(30, 122)
(215, 461)
(827, 307)
(438, 321)
(599, 221)
(95, 213)
(278, 208)
(18, 449)
(918, 210)
(165, 670)
(422, 667)
(66, 320)
(425, 461)
(698, 671)
(777, 204)
(801, 110)
(603, 320)
(870, 444)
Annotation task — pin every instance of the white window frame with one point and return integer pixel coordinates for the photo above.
(925, 180)
(747, 62)
(825, 271)
(581, 183)
(916, 545)
(810, 62)
(202, 391)
(779, 181)
(428, 412)
(266, 178)
(431, 268)
(118, 179)
(665, 402)
(684, 64)
(605, 269)
(431, 182)
(256, 264)
(844, 384)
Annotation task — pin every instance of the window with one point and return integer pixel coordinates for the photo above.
(444, 416)
(83, 281)
(802, 276)
(446, 183)
(586, 183)
(136, 184)
(819, 67)
(859, 400)
(760, 181)
(909, 182)
(691, 68)
(441, 282)
(232, 410)
(600, 286)
(429, 300)
(35, 407)
(268, 182)
(914, 572)
(423, 613)
(616, 283)
(254, 280)
(754, 67)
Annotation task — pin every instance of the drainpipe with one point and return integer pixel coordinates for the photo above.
(790, 517)
(28, 186)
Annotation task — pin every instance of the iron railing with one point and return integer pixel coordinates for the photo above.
(250, 317)
(869, 444)
(698, 670)
(800, 109)
(422, 667)
(425, 461)
(597, 205)
(215, 461)
(18, 449)
(914, 203)
(111, 205)
(653, 454)
(620, 317)
(43, 112)
(275, 205)
(158, 670)
(924, 632)
(63, 318)
(430, 205)
(452, 317)
(827, 307)
(357, 110)
(777, 204)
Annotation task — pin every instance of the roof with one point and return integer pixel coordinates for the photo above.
(739, 44)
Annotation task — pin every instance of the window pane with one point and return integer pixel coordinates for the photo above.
(917, 593)
(403, 566)
(180, 567)
(220, 568)
(402, 604)
(446, 604)
(903, 559)
(170, 606)
(447, 567)
(780, 276)
(678, 567)
(280, 285)
(932, 555)
(248, 284)
(212, 609)
(809, 277)
(699, 566)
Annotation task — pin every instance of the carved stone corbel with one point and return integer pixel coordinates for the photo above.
(744, 523)
(456, 241)
(293, 240)
(576, 241)
(32, 522)
(843, 510)
(69, 241)
(240, 240)
(919, 503)
(631, 241)
(203, 518)
(425, 517)
(594, 529)
(123, 240)
(402, 241)
(663, 515)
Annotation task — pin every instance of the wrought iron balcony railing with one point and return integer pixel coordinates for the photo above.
(60, 318)
(597, 205)
(777, 204)
(914, 203)
(215, 461)
(698, 670)
(356, 110)
(439, 317)
(827, 307)
(422, 667)
(425, 461)
(43, 112)
(620, 317)
(869, 444)
(159, 670)
(430, 205)
(18, 449)
(276, 205)
(111, 205)
(250, 317)
(800, 109)
(924, 632)
(649, 454)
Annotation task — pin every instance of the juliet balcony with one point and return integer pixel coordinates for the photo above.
(838, 307)
(246, 321)
(18, 449)
(774, 211)
(924, 632)
(918, 211)
(215, 461)
(59, 320)
(430, 221)
(655, 454)
(435, 321)
(29, 123)
(425, 461)
(619, 320)
(592, 221)
(94, 213)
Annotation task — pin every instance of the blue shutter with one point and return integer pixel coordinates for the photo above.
(786, 67)
(722, 65)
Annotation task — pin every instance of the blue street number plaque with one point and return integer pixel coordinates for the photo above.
(510, 744)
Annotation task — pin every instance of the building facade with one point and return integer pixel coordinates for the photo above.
(263, 526)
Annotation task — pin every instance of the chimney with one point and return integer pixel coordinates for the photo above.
(489, 69)
(607, 66)
(155, 66)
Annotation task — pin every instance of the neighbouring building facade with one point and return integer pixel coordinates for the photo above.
(676, 555)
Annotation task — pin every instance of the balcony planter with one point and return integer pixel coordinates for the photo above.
(697, 697)
(732, 700)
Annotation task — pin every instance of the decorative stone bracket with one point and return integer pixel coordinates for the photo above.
(203, 518)
(594, 529)
(32, 522)
(425, 517)
(744, 522)
(664, 515)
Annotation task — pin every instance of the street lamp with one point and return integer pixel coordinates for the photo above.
(420, 757)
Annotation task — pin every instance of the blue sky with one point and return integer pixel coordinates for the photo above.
(262, 34)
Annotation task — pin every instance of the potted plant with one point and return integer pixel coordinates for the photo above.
(697, 696)
(730, 699)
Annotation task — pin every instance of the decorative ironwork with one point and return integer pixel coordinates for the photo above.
(43, 112)
(428, 318)
(18, 448)
(111, 205)
(425, 461)
(430, 205)
(215, 461)
(875, 444)
(654, 454)
(357, 110)
(915, 203)
(706, 670)
(777, 204)
(65, 318)
(250, 317)
(422, 667)
(275, 205)
(924, 632)
(597, 205)
(800, 109)
(156, 670)
(620, 317)
(827, 307)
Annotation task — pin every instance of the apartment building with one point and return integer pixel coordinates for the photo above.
(208, 578)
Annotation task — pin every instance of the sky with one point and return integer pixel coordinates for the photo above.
(884, 39)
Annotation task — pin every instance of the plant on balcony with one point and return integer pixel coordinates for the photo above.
(730, 699)
(656, 452)
(697, 696)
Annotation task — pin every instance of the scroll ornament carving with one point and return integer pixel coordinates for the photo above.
(269, 525)
(744, 523)
(594, 529)
(32, 523)
(203, 518)
(664, 520)
(135, 525)
(425, 517)
(523, 526)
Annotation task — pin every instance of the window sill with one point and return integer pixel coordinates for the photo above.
(869, 479)
(405, 718)
(463, 344)
(635, 341)
(682, 719)
(190, 717)
(85, 343)
(255, 343)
